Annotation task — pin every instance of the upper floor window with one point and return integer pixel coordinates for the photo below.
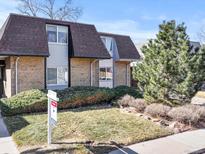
(108, 42)
(57, 34)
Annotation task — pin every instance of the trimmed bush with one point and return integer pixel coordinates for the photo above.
(81, 96)
(126, 100)
(121, 91)
(25, 102)
(157, 110)
(32, 101)
(184, 114)
(188, 114)
(138, 104)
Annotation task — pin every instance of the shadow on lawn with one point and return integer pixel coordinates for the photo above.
(15, 123)
(72, 147)
(91, 107)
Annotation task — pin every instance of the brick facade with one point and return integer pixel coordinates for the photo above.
(31, 74)
(121, 73)
(81, 72)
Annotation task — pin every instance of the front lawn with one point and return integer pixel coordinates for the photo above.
(99, 124)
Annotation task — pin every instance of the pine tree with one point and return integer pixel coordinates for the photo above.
(169, 72)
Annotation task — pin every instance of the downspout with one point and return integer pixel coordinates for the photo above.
(91, 72)
(113, 73)
(127, 68)
(17, 59)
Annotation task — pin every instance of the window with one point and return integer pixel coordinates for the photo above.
(62, 34)
(52, 76)
(62, 75)
(108, 42)
(57, 34)
(62, 37)
(52, 33)
(57, 76)
(106, 73)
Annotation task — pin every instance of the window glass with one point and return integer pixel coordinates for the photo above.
(109, 74)
(62, 37)
(52, 33)
(51, 75)
(103, 40)
(102, 73)
(106, 73)
(62, 75)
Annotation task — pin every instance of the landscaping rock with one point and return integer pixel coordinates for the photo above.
(178, 127)
(155, 120)
(164, 123)
(139, 114)
(173, 125)
(198, 101)
(147, 117)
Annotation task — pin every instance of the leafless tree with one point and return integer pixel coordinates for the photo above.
(201, 35)
(50, 9)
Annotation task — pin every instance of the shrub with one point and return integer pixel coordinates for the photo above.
(81, 96)
(28, 101)
(201, 112)
(126, 100)
(36, 100)
(121, 91)
(138, 104)
(184, 114)
(157, 110)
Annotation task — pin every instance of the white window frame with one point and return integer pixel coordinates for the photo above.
(58, 43)
(106, 78)
(57, 78)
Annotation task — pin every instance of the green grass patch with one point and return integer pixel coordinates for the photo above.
(35, 100)
(98, 124)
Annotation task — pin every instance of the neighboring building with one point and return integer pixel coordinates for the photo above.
(51, 54)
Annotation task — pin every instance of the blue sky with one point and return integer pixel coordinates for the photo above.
(137, 18)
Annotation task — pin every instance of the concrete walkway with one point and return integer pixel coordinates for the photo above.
(192, 142)
(7, 145)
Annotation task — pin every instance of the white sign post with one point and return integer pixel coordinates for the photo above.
(52, 112)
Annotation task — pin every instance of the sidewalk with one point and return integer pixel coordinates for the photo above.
(7, 145)
(192, 142)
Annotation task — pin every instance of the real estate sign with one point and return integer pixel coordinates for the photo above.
(53, 105)
(52, 112)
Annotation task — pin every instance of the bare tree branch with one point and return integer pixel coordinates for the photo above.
(201, 34)
(49, 9)
(28, 7)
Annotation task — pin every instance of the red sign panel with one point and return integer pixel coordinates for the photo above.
(54, 103)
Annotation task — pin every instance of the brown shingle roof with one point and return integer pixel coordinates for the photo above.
(125, 46)
(24, 35)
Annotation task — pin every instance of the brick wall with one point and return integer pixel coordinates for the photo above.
(121, 73)
(31, 74)
(81, 72)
